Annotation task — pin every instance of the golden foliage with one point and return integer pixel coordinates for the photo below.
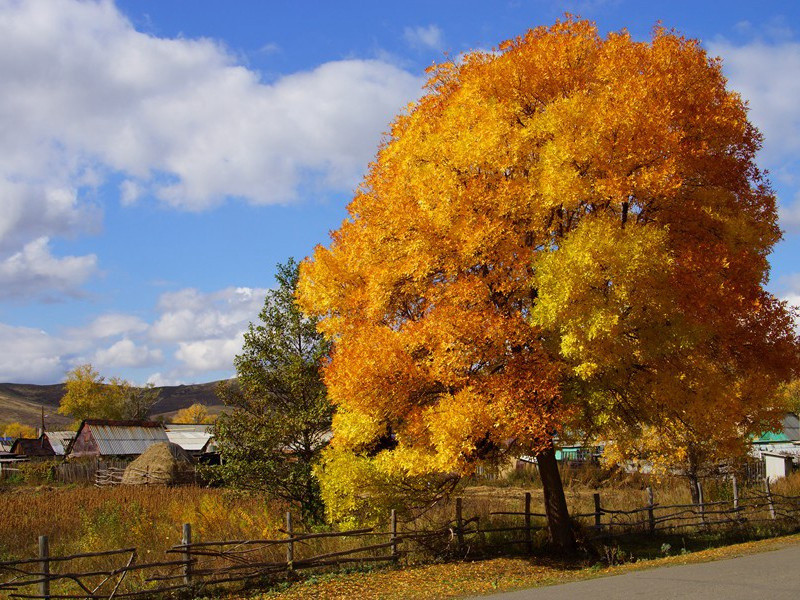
(196, 414)
(568, 233)
(18, 430)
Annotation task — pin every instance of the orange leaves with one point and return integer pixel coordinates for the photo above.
(570, 232)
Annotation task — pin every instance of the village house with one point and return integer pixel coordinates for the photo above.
(102, 438)
(60, 440)
(193, 438)
(33, 448)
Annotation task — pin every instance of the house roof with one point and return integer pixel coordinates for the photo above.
(6, 443)
(771, 437)
(60, 440)
(119, 438)
(191, 438)
(33, 447)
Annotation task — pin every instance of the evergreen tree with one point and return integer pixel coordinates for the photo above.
(280, 415)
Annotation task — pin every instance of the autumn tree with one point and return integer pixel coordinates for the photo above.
(280, 415)
(17, 430)
(89, 396)
(195, 414)
(568, 232)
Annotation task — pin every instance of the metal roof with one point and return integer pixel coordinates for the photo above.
(118, 440)
(189, 440)
(60, 440)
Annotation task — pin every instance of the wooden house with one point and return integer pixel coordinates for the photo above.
(33, 448)
(102, 438)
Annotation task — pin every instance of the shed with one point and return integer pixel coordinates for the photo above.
(192, 438)
(60, 440)
(105, 438)
(34, 448)
(777, 466)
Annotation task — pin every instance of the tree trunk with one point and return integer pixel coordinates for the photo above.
(555, 504)
(693, 488)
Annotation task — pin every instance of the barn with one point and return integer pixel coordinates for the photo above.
(103, 438)
(33, 448)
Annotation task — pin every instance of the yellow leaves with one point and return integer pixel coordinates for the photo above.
(196, 413)
(570, 232)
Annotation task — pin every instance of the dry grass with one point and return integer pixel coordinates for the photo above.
(85, 519)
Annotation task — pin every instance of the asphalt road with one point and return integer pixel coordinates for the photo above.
(770, 575)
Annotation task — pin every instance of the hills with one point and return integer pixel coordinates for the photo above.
(23, 402)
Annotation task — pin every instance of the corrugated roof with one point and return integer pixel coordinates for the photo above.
(191, 441)
(115, 438)
(770, 437)
(60, 440)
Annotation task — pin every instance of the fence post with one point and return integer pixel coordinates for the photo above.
(769, 498)
(735, 492)
(395, 555)
(459, 524)
(651, 518)
(186, 541)
(44, 567)
(528, 538)
(290, 545)
(701, 499)
(597, 511)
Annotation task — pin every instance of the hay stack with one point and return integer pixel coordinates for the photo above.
(162, 463)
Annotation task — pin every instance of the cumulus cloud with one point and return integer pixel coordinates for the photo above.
(768, 77)
(32, 355)
(35, 271)
(767, 74)
(126, 353)
(192, 337)
(429, 37)
(110, 325)
(87, 96)
(180, 117)
(209, 355)
(189, 315)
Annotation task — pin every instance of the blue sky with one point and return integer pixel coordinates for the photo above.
(159, 157)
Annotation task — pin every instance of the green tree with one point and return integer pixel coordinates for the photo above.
(281, 416)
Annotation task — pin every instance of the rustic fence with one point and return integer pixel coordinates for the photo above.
(199, 565)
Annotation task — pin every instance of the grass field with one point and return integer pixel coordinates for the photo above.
(89, 519)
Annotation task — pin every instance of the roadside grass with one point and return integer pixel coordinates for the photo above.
(461, 579)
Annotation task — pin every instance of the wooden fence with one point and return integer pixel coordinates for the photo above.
(199, 565)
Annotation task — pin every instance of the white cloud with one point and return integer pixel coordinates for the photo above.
(126, 353)
(34, 271)
(31, 355)
(110, 325)
(768, 77)
(209, 355)
(189, 315)
(767, 74)
(179, 116)
(429, 37)
(129, 192)
(87, 96)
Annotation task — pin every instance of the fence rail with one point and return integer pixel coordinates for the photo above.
(198, 565)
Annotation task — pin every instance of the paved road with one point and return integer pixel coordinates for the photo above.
(770, 575)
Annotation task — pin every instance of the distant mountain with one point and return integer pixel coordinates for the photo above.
(23, 402)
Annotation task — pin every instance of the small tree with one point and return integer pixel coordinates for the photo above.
(280, 415)
(88, 396)
(195, 414)
(18, 430)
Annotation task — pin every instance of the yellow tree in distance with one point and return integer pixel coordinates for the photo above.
(195, 414)
(567, 234)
